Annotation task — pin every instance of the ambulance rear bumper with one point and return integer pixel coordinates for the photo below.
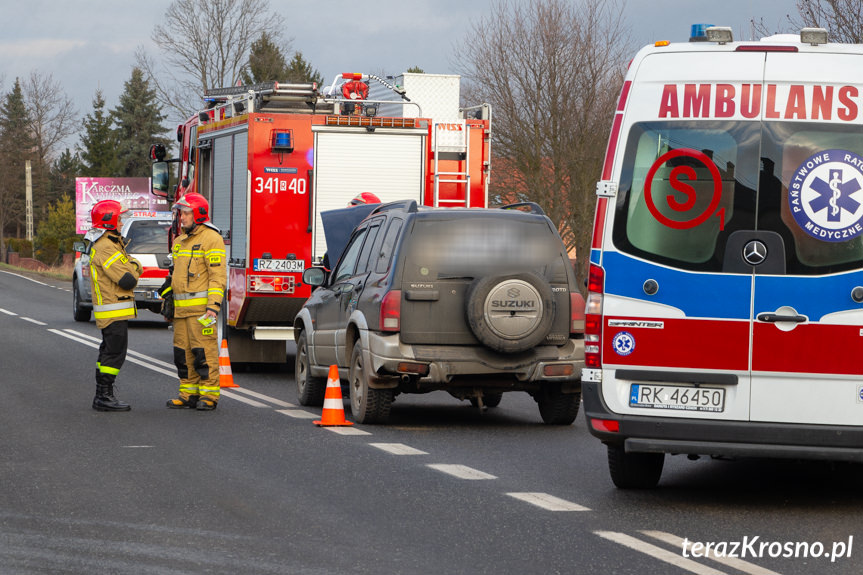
(721, 438)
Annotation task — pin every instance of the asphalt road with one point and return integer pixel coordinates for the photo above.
(254, 487)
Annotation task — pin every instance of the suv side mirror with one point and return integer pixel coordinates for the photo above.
(80, 247)
(315, 276)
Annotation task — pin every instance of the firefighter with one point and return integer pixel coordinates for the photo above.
(113, 276)
(197, 285)
(364, 198)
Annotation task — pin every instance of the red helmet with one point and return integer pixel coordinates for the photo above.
(106, 214)
(364, 198)
(197, 203)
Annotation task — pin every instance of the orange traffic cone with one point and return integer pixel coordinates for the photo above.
(334, 410)
(226, 377)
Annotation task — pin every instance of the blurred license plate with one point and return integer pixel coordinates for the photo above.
(677, 397)
(279, 265)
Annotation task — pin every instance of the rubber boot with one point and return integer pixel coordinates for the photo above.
(105, 400)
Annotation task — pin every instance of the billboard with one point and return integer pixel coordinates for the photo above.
(133, 193)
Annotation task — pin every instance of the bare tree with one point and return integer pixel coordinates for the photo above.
(552, 70)
(843, 19)
(52, 114)
(204, 44)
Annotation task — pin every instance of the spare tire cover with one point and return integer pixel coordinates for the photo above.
(510, 313)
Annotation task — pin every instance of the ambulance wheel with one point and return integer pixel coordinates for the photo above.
(368, 405)
(79, 312)
(511, 313)
(634, 470)
(310, 389)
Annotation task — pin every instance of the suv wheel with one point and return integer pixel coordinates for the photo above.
(557, 407)
(634, 470)
(512, 313)
(310, 389)
(368, 405)
(489, 399)
(79, 312)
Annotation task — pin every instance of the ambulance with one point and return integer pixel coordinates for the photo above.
(725, 305)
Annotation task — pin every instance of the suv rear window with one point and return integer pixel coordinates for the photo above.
(470, 247)
(684, 216)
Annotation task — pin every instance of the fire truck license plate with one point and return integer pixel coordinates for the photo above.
(279, 265)
(677, 397)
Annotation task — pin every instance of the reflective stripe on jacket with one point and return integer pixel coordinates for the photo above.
(109, 262)
(200, 272)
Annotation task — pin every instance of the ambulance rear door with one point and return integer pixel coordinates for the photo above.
(808, 253)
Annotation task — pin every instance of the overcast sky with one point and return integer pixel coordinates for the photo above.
(90, 44)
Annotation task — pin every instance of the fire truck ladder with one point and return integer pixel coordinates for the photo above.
(253, 96)
(458, 178)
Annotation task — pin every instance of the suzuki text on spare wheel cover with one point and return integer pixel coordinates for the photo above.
(725, 313)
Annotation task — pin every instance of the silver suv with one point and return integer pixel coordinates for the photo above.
(148, 243)
(475, 302)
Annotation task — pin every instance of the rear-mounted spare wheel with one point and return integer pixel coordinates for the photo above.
(510, 313)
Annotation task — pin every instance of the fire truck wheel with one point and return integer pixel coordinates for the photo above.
(511, 313)
(368, 405)
(310, 389)
(79, 312)
(557, 407)
(634, 470)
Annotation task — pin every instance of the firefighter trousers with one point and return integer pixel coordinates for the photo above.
(196, 355)
(112, 351)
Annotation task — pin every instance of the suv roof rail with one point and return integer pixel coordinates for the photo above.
(534, 207)
(409, 206)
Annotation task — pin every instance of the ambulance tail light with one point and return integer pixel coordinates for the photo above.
(608, 425)
(391, 311)
(593, 318)
(271, 284)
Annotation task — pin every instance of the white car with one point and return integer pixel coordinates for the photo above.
(148, 243)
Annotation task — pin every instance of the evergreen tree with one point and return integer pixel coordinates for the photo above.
(138, 125)
(299, 71)
(98, 142)
(63, 173)
(16, 147)
(266, 62)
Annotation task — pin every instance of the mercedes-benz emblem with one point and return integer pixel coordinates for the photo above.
(754, 252)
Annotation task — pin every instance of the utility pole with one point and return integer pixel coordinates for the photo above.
(29, 190)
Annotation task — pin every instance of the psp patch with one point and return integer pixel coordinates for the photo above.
(825, 195)
(623, 343)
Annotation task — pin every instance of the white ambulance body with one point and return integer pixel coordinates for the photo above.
(725, 314)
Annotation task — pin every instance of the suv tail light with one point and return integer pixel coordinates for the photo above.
(593, 317)
(391, 311)
(576, 310)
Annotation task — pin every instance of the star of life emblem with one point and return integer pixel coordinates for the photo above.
(623, 343)
(825, 195)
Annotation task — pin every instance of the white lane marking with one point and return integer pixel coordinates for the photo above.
(95, 345)
(298, 413)
(25, 278)
(137, 446)
(246, 400)
(461, 471)
(658, 553)
(7, 312)
(347, 430)
(548, 502)
(31, 320)
(732, 562)
(272, 400)
(398, 449)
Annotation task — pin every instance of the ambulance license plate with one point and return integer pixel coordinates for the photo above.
(262, 265)
(677, 397)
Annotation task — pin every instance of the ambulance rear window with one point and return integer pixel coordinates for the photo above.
(685, 185)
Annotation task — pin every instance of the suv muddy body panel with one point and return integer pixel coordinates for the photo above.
(473, 302)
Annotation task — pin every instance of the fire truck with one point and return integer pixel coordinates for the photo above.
(271, 157)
